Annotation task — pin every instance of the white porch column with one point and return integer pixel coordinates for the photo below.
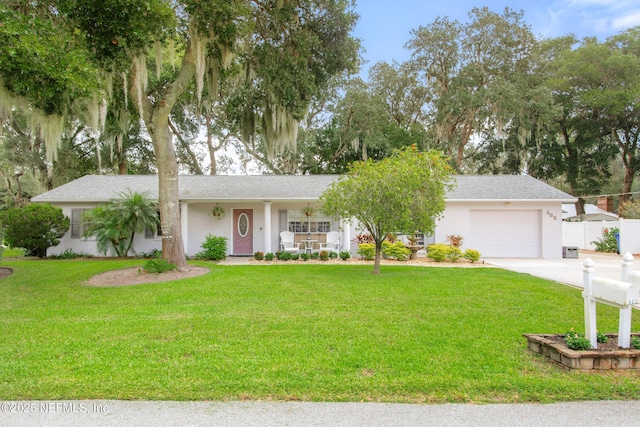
(184, 224)
(346, 235)
(267, 227)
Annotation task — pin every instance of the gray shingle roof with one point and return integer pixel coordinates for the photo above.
(102, 188)
(505, 187)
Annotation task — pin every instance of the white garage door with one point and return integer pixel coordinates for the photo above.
(505, 233)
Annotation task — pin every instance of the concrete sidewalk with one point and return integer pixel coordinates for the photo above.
(151, 414)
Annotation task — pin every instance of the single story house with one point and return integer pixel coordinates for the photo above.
(499, 215)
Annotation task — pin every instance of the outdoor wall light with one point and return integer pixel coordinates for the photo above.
(507, 204)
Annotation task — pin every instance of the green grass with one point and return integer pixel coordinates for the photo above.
(12, 253)
(294, 332)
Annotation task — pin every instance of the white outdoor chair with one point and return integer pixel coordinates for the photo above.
(333, 242)
(287, 243)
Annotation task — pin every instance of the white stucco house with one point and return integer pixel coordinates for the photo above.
(499, 215)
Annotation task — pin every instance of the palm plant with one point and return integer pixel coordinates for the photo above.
(114, 225)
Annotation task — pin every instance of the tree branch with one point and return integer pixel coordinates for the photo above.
(194, 160)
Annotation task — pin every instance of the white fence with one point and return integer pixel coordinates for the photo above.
(582, 234)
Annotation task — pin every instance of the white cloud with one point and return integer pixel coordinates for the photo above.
(600, 18)
(588, 3)
(629, 20)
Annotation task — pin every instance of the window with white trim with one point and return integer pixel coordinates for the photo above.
(77, 226)
(300, 223)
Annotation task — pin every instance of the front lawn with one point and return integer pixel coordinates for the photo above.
(292, 332)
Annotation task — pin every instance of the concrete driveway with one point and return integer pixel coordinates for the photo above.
(567, 270)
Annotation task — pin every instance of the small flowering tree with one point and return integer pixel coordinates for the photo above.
(404, 192)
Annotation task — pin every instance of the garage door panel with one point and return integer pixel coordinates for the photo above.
(504, 233)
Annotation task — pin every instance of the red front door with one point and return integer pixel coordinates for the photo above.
(243, 232)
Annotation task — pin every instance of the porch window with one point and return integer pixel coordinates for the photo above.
(300, 223)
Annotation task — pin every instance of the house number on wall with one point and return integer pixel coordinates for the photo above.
(243, 225)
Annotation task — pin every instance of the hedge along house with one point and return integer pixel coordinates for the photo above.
(499, 215)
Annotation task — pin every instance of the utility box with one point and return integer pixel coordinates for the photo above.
(569, 252)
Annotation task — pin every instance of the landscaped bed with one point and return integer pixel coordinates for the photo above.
(292, 332)
(607, 356)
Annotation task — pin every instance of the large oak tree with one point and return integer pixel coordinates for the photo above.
(278, 53)
(478, 74)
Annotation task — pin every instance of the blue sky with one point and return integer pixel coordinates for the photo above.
(385, 26)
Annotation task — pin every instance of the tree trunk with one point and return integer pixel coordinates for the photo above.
(627, 183)
(376, 262)
(156, 119)
(628, 147)
(580, 206)
(168, 198)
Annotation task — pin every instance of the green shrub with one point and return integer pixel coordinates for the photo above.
(345, 255)
(279, 254)
(214, 248)
(576, 341)
(295, 257)
(158, 266)
(324, 256)
(635, 342)
(35, 227)
(602, 338)
(305, 256)
(472, 255)
(454, 254)
(284, 256)
(367, 251)
(153, 253)
(396, 250)
(438, 252)
(333, 255)
(314, 255)
(269, 256)
(259, 256)
(608, 242)
(69, 254)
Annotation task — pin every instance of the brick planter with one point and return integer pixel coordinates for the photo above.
(586, 360)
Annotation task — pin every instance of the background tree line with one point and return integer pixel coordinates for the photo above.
(490, 94)
(497, 99)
